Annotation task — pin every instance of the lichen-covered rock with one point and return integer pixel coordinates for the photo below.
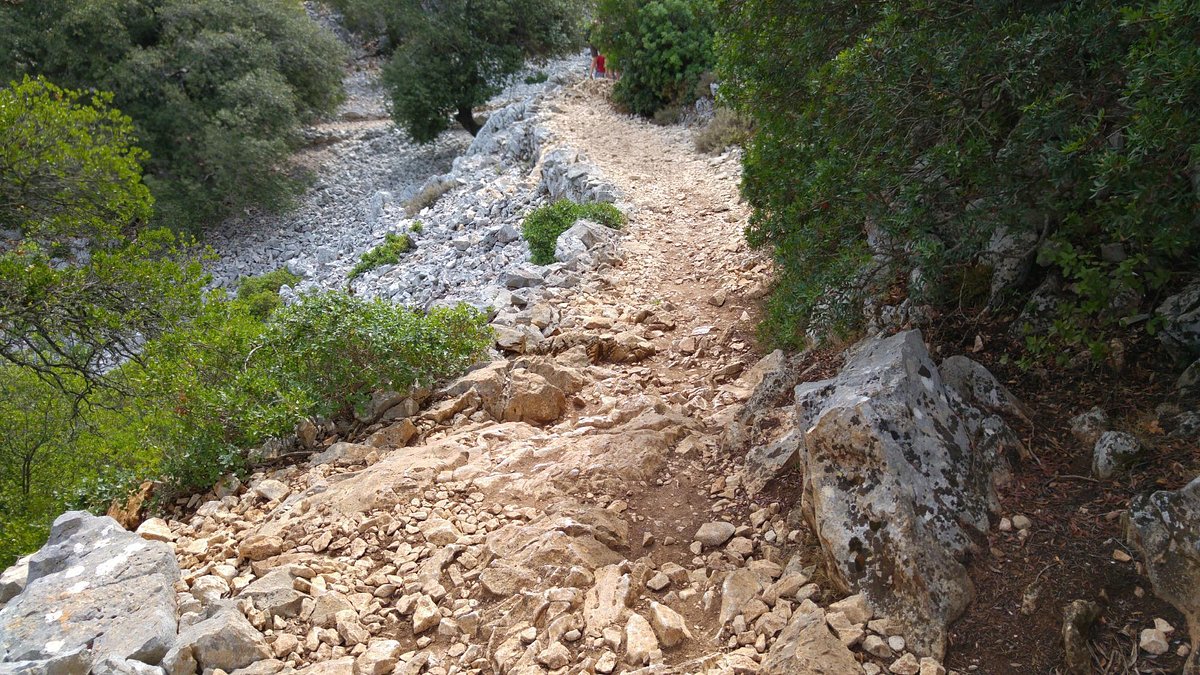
(1180, 313)
(1164, 527)
(95, 585)
(900, 481)
(1113, 451)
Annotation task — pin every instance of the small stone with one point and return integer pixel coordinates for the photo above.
(930, 666)
(658, 582)
(1153, 641)
(715, 533)
(425, 615)
(1121, 556)
(1006, 524)
(855, 607)
(640, 641)
(155, 529)
(528, 635)
(905, 665)
(555, 656)
(1165, 627)
(668, 625)
(380, 658)
(877, 647)
(606, 663)
(1021, 522)
(896, 642)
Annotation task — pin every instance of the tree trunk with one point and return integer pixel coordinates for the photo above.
(467, 119)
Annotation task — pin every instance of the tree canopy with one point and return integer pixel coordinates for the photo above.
(451, 56)
(216, 89)
(82, 284)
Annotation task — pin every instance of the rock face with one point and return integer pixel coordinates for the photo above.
(900, 481)
(1165, 529)
(93, 585)
(1181, 322)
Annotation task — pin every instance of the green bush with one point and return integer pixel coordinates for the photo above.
(217, 90)
(388, 253)
(537, 78)
(261, 293)
(726, 128)
(928, 130)
(341, 348)
(662, 48)
(543, 225)
(416, 227)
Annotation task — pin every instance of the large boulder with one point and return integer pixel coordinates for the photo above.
(1180, 313)
(93, 585)
(225, 640)
(806, 646)
(900, 479)
(584, 244)
(1164, 527)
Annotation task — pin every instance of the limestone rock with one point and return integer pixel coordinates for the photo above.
(153, 529)
(102, 586)
(271, 490)
(640, 642)
(379, 659)
(1088, 426)
(425, 615)
(1180, 331)
(260, 547)
(1114, 451)
(533, 399)
(226, 641)
(440, 532)
(807, 646)
(739, 587)
(1078, 617)
(714, 533)
(668, 625)
(1164, 527)
(900, 481)
(275, 594)
(555, 656)
(343, 454)
(12, 580)
(326, 608)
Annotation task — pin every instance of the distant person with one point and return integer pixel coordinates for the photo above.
(598, 64)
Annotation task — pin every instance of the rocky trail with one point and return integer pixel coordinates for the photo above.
(627, 485)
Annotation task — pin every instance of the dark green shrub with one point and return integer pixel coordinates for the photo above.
(388, 253)
(537, 78)
(543, 225)
(416, 227)
(661, 49)
(926, 130)
(726, 128)
(261, 293)
(217, 89)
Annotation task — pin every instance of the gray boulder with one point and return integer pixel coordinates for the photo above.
(584, 244)
(12, 580)
(95, 585)
(1180, 332)
(225, 640)
(1164, 527)
(899, 483)
(1114, 450)
(275, 595)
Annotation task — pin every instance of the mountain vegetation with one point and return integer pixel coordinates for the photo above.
(216, 90)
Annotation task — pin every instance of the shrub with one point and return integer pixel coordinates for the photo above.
(387, 253)
(217, 90)
(543, 225)
(427, 197)
(667, 115)
(725, 129)
(537, 78)
(416, 227)
(660, 47)
(261, 293)
(341, 348)
(891, 142)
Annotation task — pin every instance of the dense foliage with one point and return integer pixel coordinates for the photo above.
(452, 56)
(661, 48)
(896, 140)
(543, 225)
(82, 285)
(388, 253)
(261, 292)
(216, 89)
